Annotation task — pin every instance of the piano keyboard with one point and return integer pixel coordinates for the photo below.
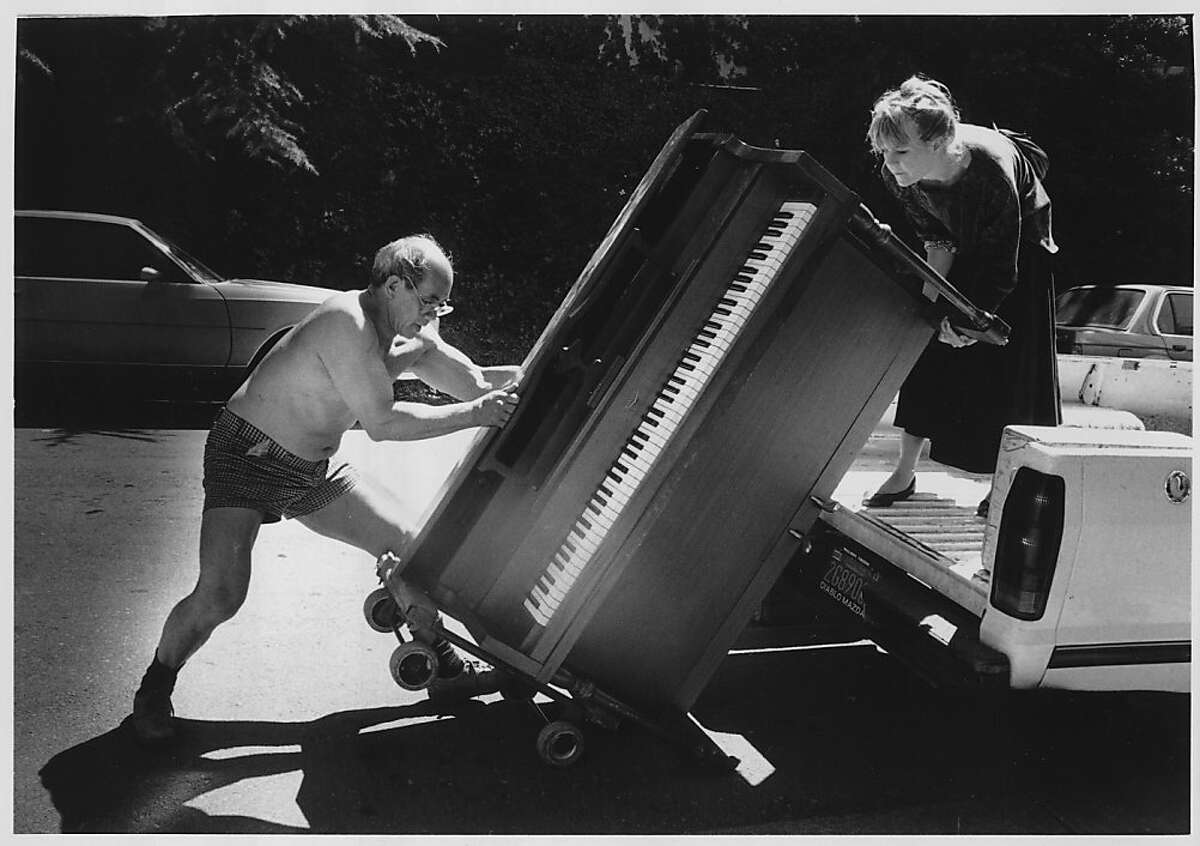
(671, 406)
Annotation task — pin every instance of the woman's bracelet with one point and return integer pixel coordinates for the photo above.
(946, 246)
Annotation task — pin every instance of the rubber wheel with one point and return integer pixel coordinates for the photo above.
(414, 665)
(381, 611)
(560, 743)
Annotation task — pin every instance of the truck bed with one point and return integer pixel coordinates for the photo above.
(935, 536)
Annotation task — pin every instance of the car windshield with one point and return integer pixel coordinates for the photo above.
(185, 258)
(1109, 308)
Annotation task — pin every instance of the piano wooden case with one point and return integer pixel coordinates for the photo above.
(704, 384)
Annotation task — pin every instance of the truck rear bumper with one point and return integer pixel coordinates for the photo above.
(935, 637)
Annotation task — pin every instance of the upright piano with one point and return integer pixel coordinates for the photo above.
(705, 383)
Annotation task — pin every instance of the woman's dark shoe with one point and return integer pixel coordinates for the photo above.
(982, 510)
(883, 500)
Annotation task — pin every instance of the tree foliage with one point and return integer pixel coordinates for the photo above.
(292, 146)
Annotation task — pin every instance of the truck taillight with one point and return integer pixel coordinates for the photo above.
(1027, 548)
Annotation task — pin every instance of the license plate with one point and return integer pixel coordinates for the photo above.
(845, 579)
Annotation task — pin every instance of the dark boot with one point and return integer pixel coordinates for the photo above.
(153, 718)
(471, 681)
(450, 663)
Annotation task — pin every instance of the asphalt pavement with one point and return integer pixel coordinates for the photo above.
(292, 724)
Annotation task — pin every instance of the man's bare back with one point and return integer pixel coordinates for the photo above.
(291, 395)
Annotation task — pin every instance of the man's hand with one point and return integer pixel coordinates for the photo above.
(495, 407)
(947, 335)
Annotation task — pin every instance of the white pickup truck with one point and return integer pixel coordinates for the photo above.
(1079, 578)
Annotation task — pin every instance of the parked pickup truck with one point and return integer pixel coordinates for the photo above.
(1079, 578)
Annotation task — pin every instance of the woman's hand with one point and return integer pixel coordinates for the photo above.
(947, 335)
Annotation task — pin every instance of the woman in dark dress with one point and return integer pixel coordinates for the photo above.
(975, 197)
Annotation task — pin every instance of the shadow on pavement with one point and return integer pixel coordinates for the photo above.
(90, 413)
(850, 735)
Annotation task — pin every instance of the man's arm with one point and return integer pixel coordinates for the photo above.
(504, 375)
(357, 370)
(448, 369)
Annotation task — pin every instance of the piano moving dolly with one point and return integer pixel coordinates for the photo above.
(560, 742)
(413, 664)
(381, 611)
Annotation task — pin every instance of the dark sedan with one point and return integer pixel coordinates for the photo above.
(105, 304)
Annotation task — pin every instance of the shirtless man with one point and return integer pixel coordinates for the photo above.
(267, 456)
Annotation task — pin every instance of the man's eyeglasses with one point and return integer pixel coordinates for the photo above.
(439, 308)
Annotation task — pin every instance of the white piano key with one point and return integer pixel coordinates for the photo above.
(539, 617)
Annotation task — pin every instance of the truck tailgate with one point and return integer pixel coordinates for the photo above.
(936, 540)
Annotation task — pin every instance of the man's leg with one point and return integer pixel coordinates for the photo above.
(227, 536)
(369, 517)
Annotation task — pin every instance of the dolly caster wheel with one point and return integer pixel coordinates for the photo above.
(560, 743)
(381, 611)
(414, 665)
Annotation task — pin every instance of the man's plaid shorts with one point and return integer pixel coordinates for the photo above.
(245, 468)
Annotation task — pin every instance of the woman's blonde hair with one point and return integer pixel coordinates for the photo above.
(925, 102)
